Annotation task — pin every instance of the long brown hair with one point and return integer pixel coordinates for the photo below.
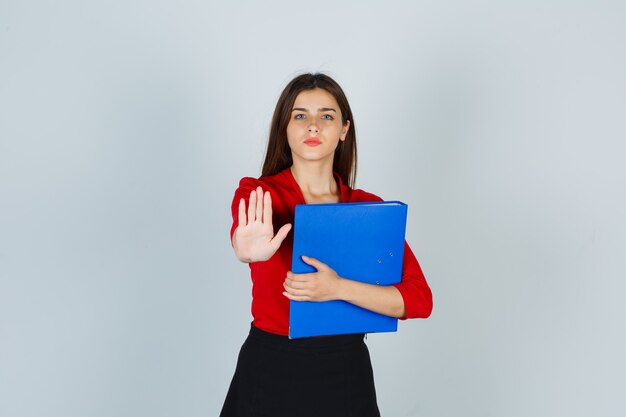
(278, 153)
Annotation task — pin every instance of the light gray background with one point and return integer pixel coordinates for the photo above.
(125, 127)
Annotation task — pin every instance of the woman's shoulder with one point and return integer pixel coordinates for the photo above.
(249, 182)
(275, 181)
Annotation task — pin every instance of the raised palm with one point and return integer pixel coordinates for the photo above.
(254, 238)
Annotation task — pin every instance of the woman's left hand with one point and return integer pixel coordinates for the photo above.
(323, 285)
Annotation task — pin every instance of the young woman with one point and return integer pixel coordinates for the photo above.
(311, 158)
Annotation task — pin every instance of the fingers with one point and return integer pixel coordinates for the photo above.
(242, 213)
(314, 286)
(255, 206)
(259, 204)
(319, 265)
(252, 207)
(297, 281)
(297, 297)
(267, 208)
(297, 289)
(281, 235)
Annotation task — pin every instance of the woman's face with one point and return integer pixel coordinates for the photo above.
(315, 127)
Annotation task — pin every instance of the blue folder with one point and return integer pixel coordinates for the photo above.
(360, 241)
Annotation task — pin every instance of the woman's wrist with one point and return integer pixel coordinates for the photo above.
(344, 289)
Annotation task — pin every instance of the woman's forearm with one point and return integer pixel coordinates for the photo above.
(385, 300)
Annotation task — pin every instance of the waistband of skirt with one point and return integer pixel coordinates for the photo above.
(310, 342)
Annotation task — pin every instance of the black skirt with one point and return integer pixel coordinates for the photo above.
(321, 377)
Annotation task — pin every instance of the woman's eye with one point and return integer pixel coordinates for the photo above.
(299, 116)
(327, 117)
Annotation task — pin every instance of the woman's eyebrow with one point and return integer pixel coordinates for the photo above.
(320, 109)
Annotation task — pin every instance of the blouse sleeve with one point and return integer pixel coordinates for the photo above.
(418, 299)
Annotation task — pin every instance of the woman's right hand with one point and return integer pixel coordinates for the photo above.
(254, 238)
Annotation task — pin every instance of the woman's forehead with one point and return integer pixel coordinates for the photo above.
(315, 98)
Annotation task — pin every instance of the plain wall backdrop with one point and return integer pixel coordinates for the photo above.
(125, 127)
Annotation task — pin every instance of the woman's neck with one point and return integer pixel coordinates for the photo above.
(316, 182)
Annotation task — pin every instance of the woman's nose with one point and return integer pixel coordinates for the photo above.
(313, 128)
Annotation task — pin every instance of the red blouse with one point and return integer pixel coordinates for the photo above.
(270, 308)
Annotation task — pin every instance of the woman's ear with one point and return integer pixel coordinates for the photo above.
(344, 131)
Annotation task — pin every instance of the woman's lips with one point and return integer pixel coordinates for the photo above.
(312, 141)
